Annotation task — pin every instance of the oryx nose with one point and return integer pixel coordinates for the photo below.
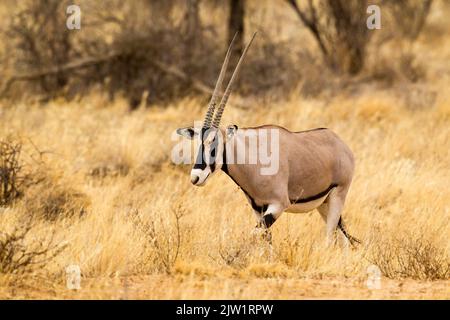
(194, 179)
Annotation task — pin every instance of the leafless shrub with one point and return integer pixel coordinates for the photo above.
(409, 16)
(339, 28)
(43, 195)
(410, 69)
(163, 238)
(160, 54)
(20, 255)
(39, 34)
(140, 51)
(415, 257)
(236, 256)
(278, 72)
(239, 251)
(14, 178)
(402, 23)
(10, 171)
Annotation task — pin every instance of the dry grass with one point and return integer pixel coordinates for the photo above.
(22, 252)
(151, 221)
(413, 256)
(117, 207)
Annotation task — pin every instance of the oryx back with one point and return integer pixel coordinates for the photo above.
(311, 164)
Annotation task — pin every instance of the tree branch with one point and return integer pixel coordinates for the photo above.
(311, 24)
(88, 62)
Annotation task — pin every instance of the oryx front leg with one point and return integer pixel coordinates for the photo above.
(331, 211)
(266, 218)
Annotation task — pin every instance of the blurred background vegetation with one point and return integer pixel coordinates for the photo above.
(159, 50)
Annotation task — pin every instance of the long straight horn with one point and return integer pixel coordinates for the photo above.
(215, 95)
(227, 93)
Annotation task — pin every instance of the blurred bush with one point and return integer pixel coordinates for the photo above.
(409, 15)
(40, 41)
(21, 252)
(10, 171)
(155, 50)
(338, 27)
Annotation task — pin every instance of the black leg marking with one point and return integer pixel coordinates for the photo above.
(268, 220)
(350, 238)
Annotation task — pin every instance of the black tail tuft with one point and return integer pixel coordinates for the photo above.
(350, 238)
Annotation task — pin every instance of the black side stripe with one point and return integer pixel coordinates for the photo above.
(264, 207)
(315, 197)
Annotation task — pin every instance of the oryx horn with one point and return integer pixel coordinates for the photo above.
(227, 93)
(215, 95)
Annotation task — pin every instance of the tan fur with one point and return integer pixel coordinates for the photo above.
(310, 161)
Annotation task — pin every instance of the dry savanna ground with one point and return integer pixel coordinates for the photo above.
(105, 196)
(96, 188)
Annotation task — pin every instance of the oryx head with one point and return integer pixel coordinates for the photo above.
(209, 157)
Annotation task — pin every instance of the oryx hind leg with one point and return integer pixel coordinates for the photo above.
(331, 210)
(353, 241)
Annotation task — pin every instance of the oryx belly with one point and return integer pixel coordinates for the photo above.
(310, 203)
(306, 206)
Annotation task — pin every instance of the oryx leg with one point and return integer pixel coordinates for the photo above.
(331, 211)
(266, 218)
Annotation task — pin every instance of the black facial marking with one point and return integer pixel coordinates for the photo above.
(203, 159)
(224, 162)
(316, 196)
(187, 132)
(200, 162)
(213, 150)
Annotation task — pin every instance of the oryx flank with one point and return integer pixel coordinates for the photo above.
(315, 166)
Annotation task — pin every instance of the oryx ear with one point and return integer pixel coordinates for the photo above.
(231, 130)
(187, 132)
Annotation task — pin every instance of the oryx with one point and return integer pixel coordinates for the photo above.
(315, 167)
